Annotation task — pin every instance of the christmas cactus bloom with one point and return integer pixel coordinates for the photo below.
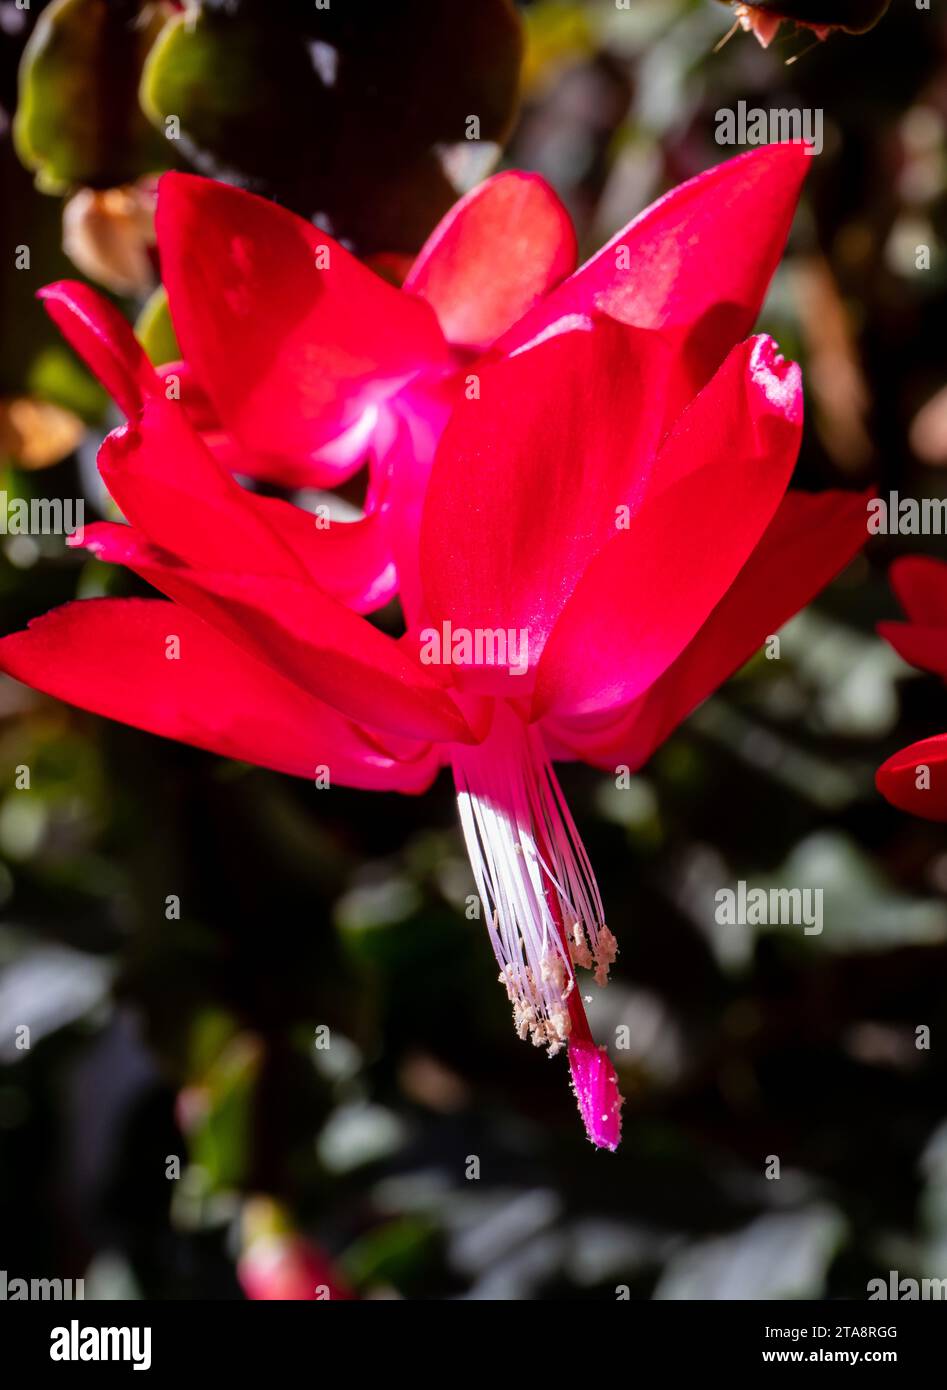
(915, 779)
(603, 535)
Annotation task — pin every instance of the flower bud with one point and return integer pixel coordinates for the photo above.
(109, 235)
(764, 17)
(35, 433)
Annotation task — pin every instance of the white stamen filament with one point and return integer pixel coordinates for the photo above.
(524, 850)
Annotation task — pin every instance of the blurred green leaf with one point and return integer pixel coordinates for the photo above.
(219, 1142)
(395, 1253)
(31, 230)
(56, 375)
(155, 330)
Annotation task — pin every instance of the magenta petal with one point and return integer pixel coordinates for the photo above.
(530, 473)
(596, 1089)
(289, 335)
(920, 584)
(695, 265)
(110, 656)
(646, 594)
(898, 781)
(494, 255)
(104, 340)
(810, 539)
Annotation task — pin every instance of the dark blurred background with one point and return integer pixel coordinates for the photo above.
(202, 1038)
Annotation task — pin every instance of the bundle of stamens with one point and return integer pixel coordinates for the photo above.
(542, 903)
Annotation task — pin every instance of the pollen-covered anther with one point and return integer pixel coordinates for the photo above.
(529, 1019)
(606, 949)
(554, 970)
(579, 947)
(544, 912)
(557, 1032)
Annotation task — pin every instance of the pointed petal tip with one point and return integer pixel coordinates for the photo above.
(764, 26)
(50, 291)
(596, 1090)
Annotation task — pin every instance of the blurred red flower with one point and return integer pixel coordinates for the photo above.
(277, 1263)
(915, 779)
(763, 17)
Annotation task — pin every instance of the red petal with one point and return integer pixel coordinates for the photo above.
(305, 635)
(497, 252)
(897, 779)
(349, 559)
(110, 656)
(920, 583)
(698, 261)
(290, 351)
(195, 400)
(177, 495)
(646, 595)
(527, 479)
(104, 340)
(810, 539)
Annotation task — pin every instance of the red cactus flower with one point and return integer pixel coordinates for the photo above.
(604, 534)
(288, 1268)
(764, 17)
(915, 779)
(302, 361)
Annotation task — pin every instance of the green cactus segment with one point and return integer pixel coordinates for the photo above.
(239, 88)
(78, 119)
